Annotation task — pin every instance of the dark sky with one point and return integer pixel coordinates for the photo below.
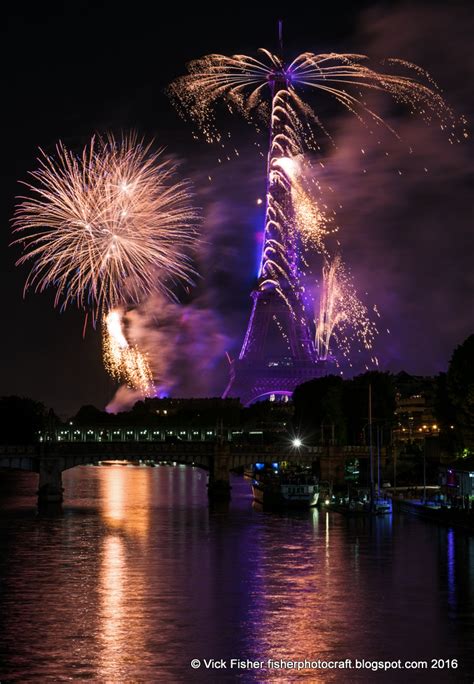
(73, 69)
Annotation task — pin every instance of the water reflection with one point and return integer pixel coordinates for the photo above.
(112, 614)
(450, 566)
(298, 618)
(125, 508)
(124, 499)
(139, 576)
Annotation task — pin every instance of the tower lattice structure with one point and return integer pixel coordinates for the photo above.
(278, 351)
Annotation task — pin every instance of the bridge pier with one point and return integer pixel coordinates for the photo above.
(218, 488)
(50, 486)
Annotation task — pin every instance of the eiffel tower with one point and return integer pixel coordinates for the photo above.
(278, 351)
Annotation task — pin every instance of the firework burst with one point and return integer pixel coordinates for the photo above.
(106, 228)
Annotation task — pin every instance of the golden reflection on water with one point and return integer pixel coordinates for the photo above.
(125, 507)
(125, 494)
(139, 576)
(111, 627)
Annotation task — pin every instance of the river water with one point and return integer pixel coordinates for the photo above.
(139, 576)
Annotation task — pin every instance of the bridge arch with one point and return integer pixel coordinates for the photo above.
(70, 462)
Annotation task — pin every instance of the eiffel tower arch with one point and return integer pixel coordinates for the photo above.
(277, 354)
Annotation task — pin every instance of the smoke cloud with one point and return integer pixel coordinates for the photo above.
(406, 215)
(184, 347)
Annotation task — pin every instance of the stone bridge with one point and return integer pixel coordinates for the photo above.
(218, 458)
(50, 460)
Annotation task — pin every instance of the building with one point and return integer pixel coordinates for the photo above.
(456, 480)
(415, 419)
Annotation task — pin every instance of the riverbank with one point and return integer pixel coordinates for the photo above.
(452, 517)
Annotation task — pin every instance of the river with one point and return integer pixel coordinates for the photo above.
(138, 577)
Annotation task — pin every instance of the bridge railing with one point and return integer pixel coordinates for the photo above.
(18, 450)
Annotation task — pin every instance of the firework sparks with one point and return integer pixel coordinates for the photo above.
(105, 230)
(311, 222)
(124, 362)
(108, 227)
(341, 314)
(267, 88)
(241, 81)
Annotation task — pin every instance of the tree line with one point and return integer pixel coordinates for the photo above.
(326, 409)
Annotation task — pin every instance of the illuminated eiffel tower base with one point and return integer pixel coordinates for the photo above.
(277, 354)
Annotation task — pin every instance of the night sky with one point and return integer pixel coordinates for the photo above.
(72, 70)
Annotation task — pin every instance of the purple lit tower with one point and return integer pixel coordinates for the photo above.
(278, 352)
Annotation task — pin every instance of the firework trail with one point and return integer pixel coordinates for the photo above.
(340, 312)
(272, 90)
(106, 228)
(123, 362)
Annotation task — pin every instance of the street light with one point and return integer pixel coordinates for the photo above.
(297, 442)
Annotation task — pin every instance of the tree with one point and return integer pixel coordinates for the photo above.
(356, 403)
(90, 415)
(319, 409)
(445, 413)
(460, 388)
(21, 420)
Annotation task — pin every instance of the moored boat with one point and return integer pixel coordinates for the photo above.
(359, 506)
(293, 489)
